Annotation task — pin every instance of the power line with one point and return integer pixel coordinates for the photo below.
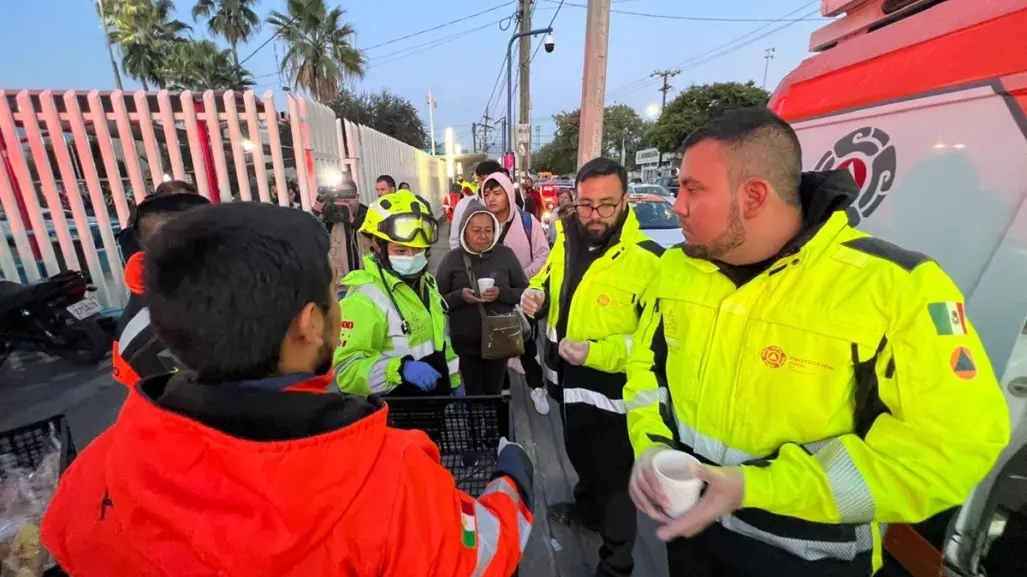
(409, 50)
(433, 28)
(387, 42)
(693, 61)
(689, 18)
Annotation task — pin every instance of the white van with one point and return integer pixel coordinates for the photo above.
(923, 101)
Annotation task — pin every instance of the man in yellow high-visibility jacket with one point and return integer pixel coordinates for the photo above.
(829, 380)
(599, 268)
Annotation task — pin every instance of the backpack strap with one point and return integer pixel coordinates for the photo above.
(526, 221)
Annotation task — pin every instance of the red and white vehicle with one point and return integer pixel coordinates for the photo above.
(923, 100)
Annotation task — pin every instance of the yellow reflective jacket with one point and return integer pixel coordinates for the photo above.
(844, 378)
(377, 337)
(602, 307)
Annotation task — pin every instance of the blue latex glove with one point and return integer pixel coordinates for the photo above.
(421, 374)
(459, 392)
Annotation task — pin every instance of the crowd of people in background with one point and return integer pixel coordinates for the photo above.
(800, 363)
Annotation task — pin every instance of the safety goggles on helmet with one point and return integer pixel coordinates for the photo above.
(404, 228)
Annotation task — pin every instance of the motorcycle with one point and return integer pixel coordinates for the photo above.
(57, 316)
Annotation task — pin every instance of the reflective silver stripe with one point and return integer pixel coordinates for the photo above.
(597, 400)
(647, 397)
(850, 490)
(550, 374)
(806, 549)
(487, 526)
(453, 366)
(377, 377)
(383, 302)
(134, 327)
(851, 494)
(712, 449)
(523, 525)
(419, 351)
(551, 333)
(627, 343)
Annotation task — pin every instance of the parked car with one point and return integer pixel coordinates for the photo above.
(650, 188)
(670, 183)
(656, 218)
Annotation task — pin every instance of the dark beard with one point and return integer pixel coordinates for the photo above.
(325, 354)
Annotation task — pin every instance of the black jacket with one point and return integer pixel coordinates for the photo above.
(499, 262)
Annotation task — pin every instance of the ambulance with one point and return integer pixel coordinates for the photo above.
(923, 101)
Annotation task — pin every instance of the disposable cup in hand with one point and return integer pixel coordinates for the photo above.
(485, 284)
(674, 469)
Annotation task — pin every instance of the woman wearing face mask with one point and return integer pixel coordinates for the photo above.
(482, 257)
(394, 339)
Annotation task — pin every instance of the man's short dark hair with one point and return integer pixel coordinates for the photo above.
(760, 144)
(225, 282)
(603, 167)
(175, 187)
(388, 180)
(156, 209)
(487, 167)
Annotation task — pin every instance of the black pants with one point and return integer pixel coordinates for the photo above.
(601, 454)
(717, 552)
(529, 360)
(482, 377)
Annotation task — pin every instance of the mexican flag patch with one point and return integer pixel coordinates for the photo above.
(470, 531)
(949, 318)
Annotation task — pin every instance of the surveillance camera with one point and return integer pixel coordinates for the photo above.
(550, 43)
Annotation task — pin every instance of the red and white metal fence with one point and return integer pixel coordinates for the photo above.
(78, 161)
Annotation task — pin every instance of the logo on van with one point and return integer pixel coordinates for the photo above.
(868, 155)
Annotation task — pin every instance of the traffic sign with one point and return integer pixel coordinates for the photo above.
(523, 133)
(647, 156)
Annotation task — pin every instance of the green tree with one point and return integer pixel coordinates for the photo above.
(201, 65)
(695, 106)
(146, 34)
(319, 54)
(233, 20)
(385, 112)
(621, 127)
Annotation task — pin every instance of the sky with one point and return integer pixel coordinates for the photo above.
(58, 44)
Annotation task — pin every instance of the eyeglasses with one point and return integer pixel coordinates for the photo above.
(604, 210)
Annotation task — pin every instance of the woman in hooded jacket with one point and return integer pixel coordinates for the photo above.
(487, 258)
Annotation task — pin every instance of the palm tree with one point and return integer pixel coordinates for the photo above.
(233, 20)
(319, 53)
(146, 33)
(201, 65)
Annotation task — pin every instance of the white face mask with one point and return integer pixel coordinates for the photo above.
(408, 265)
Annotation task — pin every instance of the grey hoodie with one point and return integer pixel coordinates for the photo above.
(498, 262)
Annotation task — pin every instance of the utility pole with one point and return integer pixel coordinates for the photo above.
(474, 137)
(766, 68)
(107, 41)
(524, 163)
(486, 129)
(432, 103)
(667, 75)
(538, 138)
(593, 85)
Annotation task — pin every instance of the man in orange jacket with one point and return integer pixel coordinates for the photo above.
(138, 353)
(236, 468)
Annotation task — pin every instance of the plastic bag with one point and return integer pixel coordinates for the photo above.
(25, 494)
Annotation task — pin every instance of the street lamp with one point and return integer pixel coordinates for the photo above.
(550, 43)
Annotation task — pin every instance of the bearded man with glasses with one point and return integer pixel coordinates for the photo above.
(592, 285)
